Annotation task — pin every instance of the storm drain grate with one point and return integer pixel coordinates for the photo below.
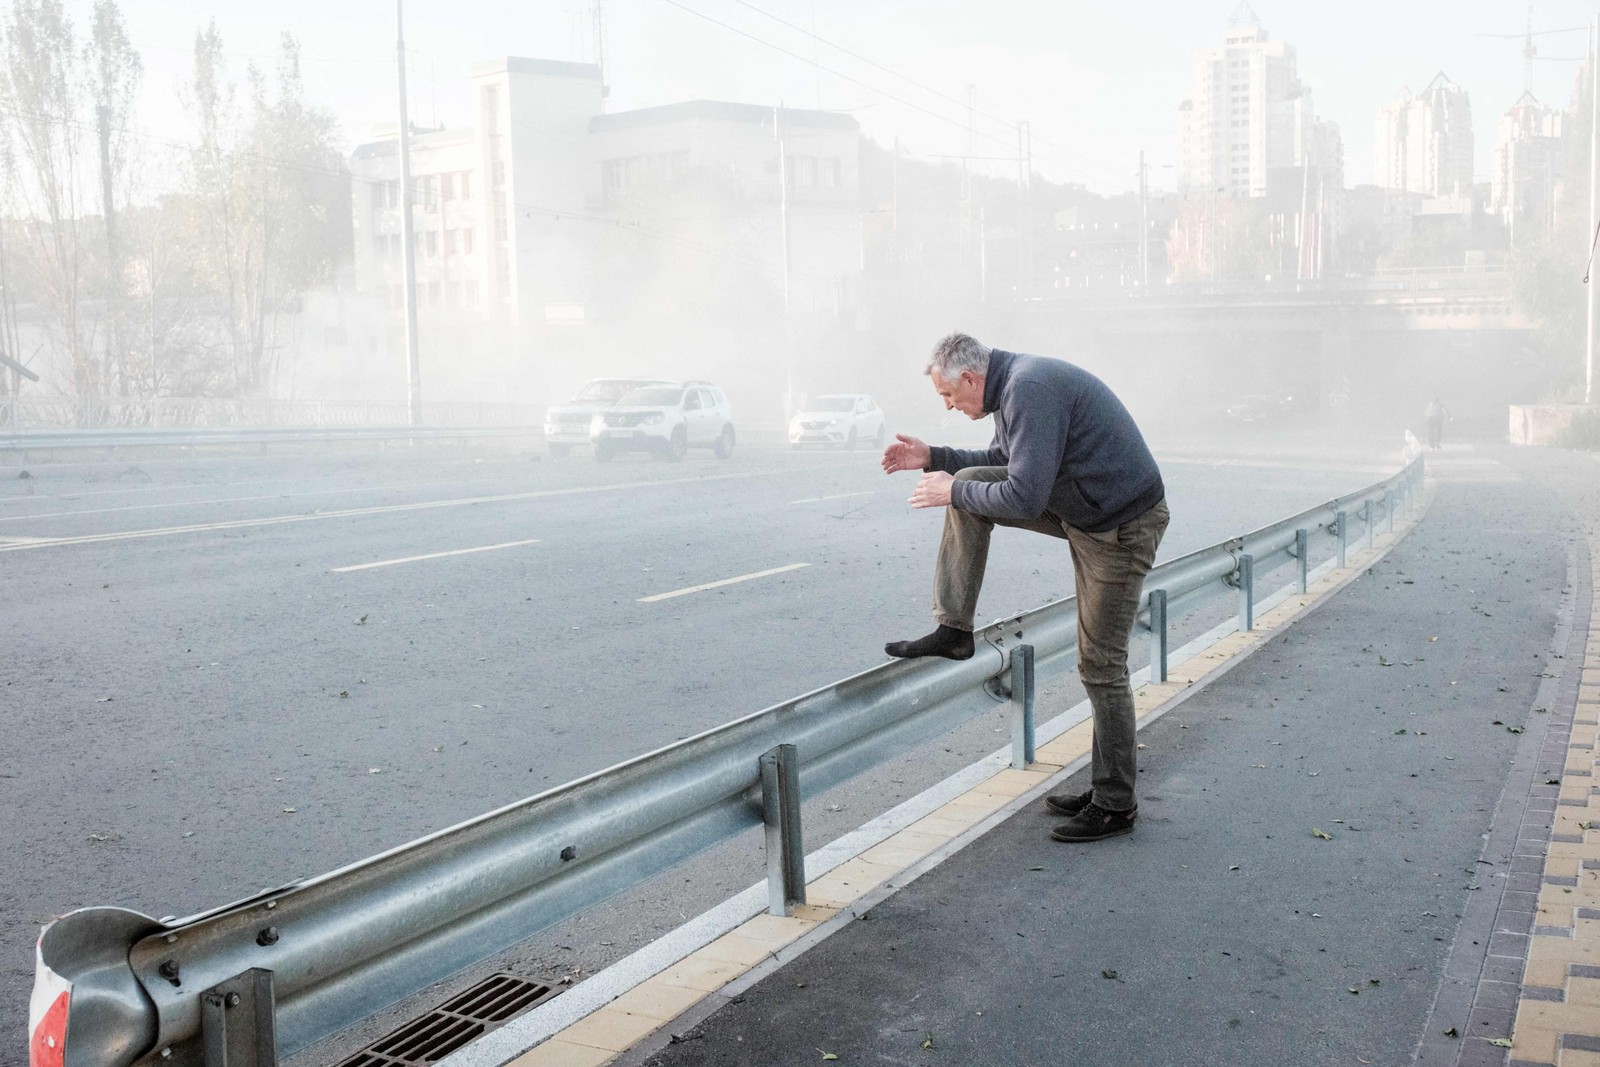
(465, 1017)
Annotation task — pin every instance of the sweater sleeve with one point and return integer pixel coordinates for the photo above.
(947, 459)
(1036, 426)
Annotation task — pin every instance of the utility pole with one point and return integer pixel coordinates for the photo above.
(1594, 200)
(783, 199)
(1144, 223)
(407, 251)
(600, 50)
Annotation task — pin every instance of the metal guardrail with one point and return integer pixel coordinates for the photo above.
(18, 413)
(58, 440)
(287, 966)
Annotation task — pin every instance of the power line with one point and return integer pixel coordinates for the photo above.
(854, 81)
(925, 88)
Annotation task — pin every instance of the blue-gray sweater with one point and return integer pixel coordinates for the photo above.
(1068, 445)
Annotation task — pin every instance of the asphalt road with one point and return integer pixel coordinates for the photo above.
(225, 674)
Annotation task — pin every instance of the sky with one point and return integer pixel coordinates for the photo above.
(1098, 82)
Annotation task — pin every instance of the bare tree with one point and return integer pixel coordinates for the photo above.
(40, 93)
(113, 71)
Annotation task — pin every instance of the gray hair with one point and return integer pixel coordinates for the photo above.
(957, 353)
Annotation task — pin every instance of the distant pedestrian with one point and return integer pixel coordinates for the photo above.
(1436, 415)
(1067, 460)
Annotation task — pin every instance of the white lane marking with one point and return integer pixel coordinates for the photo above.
(21, 540)
(720, 584)
(385, 509)
(835, 496)
(433, 555)
(216, 500)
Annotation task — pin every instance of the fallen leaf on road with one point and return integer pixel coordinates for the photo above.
(1452, 1032)
(1315, 832)
(827, 1055)
(1501, 1042)
(289, 811)
(927, 1042)
(1109, 974)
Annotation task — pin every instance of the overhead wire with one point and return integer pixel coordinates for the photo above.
(925, 88)
(853, 80)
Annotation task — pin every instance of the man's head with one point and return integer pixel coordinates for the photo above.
(958, 369)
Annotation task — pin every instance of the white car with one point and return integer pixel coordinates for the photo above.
(845, 420)
(567, 424)
(667, 420)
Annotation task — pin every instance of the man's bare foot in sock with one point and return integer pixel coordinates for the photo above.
(946, 641)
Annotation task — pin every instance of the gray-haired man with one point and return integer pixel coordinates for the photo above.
(1068, 461)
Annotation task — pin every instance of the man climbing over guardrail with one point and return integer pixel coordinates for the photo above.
(1066, 460)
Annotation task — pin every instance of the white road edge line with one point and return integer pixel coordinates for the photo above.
(432, 555)
(723, 582)
(835, 496)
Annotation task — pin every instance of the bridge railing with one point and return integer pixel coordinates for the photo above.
(282, 968)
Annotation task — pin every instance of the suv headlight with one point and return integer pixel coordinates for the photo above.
(597, 423)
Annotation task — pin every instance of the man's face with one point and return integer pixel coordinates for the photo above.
(964, 393)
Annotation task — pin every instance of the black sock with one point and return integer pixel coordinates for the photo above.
(946, 641)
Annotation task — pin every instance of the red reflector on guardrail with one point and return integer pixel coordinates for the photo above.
(48, 1046)
(47, 1014)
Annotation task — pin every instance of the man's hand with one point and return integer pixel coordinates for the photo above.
(905, 454)
(933, 490)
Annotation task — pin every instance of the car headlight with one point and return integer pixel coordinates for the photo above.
(597, 423)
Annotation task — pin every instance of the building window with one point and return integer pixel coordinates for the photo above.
(432, 243)
(466, 242)
(466, 185)
(449, 242)
(830, 173)
(447, 184)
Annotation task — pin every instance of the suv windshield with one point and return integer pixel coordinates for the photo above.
(832, 403)
(609, 392)
(655, 396)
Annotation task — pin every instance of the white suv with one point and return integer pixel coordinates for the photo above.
(567, 424)
(667, 420)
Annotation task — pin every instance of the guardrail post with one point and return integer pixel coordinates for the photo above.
(1247, 592)
(780, 810)
(1343, 524)
(1388, 511)
(1302, 544)
(1366, 521)
(237, 1023)
(1158, 635)
(1022, 706)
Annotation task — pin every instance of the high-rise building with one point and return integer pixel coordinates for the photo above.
(1423, 142)
(1527, 165)
(1249, 128)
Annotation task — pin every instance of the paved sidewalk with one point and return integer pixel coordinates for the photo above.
(1374, 840)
